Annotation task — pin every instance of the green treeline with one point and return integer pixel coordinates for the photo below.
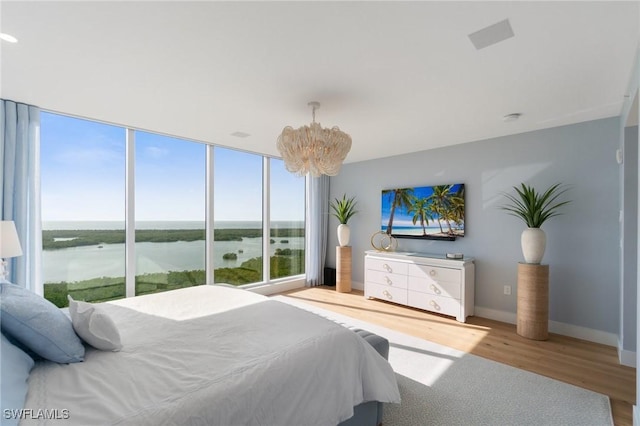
(91, 237)
(111, 288)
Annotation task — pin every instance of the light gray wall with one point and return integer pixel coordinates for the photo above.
(630, 242)
(582, 245)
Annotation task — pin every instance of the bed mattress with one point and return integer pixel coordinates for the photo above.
(213, 355)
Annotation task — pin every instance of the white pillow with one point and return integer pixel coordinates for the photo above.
(94, 326)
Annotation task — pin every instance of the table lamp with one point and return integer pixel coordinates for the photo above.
(9, 245)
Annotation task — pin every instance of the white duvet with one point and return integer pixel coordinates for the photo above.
(212, 355)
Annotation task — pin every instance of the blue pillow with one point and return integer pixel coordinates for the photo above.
(15, 367)
(38, 325)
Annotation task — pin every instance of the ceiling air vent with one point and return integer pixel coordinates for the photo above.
(492, 34)
(240, 134)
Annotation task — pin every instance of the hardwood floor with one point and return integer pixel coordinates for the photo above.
(585, 364)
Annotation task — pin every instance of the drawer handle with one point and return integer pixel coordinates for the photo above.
(434, 305)
(387, 267)
(432, 272)
(386, 293)
(435, 289)
(389, 280)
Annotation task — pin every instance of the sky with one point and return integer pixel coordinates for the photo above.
(83, 177)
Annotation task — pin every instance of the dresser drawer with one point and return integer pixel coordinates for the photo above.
(379, 277)
(385, 292)
(430, 302)
(435, 273)
(427, 285)
(388, 266)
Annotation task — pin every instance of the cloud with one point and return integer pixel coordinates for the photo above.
(156, 152)
(89, 156)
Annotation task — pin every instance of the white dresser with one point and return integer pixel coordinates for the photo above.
(424, 281)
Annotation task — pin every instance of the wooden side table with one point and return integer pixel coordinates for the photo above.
(343, 269)
(533, 301)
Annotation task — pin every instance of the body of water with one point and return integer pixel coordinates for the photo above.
(190, 224)
(108, 260)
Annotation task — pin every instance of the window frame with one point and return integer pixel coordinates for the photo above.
(129, 194)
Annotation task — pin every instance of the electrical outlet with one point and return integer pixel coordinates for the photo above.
(507, 290)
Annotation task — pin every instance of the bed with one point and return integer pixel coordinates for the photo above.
(213, 355)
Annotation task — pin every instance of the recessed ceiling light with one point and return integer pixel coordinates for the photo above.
(511, 117)
(240, 134)
(8, 37)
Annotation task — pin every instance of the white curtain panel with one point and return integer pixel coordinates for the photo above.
(317, 224)
(20, 188)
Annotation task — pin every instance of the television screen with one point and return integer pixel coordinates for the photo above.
(429, 212)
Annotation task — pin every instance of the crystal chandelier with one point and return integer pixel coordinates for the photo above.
(312, 149)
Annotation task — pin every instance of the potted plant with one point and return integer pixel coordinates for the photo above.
(343, 210)
(534, 208)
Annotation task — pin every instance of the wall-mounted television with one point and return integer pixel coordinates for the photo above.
(426, 212)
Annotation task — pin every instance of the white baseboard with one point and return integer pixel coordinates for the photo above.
(269, 289)
(636, 416)
(596, 336)
(493, 314)
(626, 357)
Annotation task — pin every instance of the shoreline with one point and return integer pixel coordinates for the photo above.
(68, 238)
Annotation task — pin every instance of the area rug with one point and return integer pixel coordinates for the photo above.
(443, 386)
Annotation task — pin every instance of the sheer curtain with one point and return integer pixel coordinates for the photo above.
(20, 188)
(317, 227)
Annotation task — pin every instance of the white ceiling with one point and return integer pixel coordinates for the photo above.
(398, 76)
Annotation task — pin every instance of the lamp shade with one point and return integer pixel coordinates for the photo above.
(9, 242)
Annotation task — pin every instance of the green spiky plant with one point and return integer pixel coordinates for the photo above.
(344, 209)
(535, 208)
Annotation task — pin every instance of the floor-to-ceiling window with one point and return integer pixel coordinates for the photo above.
(84, 188)
(237, 211)
(287, 214)
(83, 214)
(169, 213)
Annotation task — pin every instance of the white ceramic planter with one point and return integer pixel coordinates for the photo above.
(533, 241)
(343, 235)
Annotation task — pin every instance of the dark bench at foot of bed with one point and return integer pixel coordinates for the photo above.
(369, 413)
